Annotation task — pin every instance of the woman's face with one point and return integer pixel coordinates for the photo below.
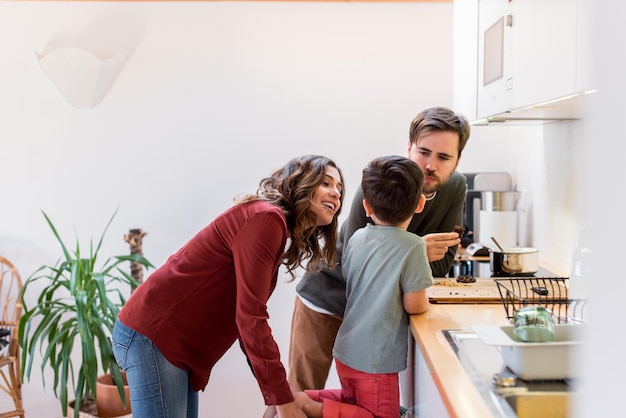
(326, 199)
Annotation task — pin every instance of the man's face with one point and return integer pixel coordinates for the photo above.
(437, 154)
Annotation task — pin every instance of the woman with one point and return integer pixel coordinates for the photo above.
(214, 291)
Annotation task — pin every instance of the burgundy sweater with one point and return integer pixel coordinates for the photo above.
(214, 291)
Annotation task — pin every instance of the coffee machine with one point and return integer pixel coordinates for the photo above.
(490, 209)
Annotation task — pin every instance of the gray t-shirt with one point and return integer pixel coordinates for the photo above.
(380, 264)
(327, 288)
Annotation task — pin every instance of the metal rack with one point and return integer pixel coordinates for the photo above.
(549, 292)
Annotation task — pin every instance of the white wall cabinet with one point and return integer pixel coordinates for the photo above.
(528, 52)
(495, 57)
(544, 50)
(418, 390)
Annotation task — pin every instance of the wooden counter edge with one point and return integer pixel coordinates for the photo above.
(459, 394)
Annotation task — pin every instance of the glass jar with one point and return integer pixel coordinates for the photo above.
(533, 324)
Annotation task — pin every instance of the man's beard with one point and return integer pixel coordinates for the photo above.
(431, 188)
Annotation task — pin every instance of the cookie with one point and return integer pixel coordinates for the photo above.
(466, 279)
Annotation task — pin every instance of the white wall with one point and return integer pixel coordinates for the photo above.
(213, 97)
(545, 164)
(603, 164)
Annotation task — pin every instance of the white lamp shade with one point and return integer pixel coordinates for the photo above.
(82, 78)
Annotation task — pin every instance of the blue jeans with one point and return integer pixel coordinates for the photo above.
(158, 389)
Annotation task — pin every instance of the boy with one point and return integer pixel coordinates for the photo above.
(387, 273)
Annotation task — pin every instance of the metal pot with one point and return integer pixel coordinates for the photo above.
(514, 261)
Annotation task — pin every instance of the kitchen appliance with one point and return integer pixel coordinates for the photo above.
(514, 261)
(490, 208)
(477, 250)
(497, 216)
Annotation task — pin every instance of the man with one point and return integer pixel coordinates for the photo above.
(437, 137)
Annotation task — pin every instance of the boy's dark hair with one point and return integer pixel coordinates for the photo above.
(392, 185)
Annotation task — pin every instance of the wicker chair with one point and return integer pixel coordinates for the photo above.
(10, 311)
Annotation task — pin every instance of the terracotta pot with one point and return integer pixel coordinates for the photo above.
(108, 399)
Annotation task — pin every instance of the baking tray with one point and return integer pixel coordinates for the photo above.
(537, 361)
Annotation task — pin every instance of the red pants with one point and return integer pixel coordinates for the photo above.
(362, 395)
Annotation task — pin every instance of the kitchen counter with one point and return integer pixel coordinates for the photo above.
(435, 357)
(458, 393)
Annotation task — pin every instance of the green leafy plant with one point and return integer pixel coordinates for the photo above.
(79, 303)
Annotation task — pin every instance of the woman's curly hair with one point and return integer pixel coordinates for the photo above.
(292, 188)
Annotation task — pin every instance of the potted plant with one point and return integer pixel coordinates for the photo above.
(78, 303)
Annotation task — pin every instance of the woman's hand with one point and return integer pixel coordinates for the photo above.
(437, 244)
(270, 412)
(289, 410)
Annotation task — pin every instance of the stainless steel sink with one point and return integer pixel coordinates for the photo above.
(542, 404)
(503, 392)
